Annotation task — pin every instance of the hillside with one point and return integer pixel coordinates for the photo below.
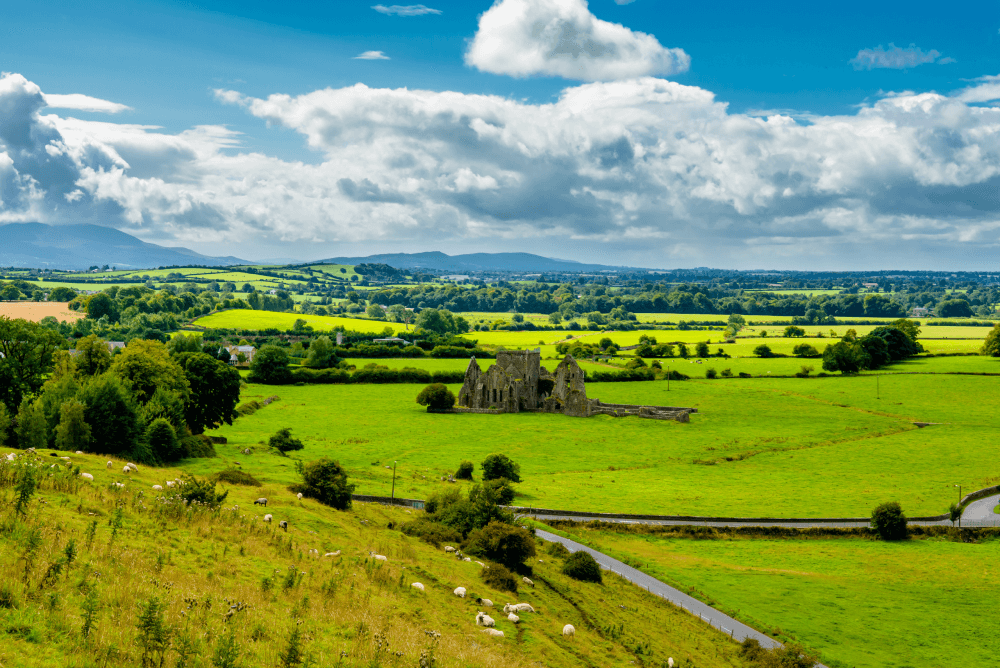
(473, 262)
(36, 245)
(200, 578)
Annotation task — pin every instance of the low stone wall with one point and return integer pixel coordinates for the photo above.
(389, 501)
(461, 409)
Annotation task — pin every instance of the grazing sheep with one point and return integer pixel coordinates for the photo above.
(460, 592)
(267, 518)
(299, 496)
(133, 466)
(527, 581)
(518, 607)
(449, 548)
(417, 585)
(670, 662)
(569, 630)
(466, 559)
(119, 485)
(126, 470)
(283, 524)
(380, 557)
(11, 457)
(482, 619)
(170, 483)
(332, 554)
(110, 464)
(481, 564)
(157, 488)
(261, 502)
(79, 452)
(494, 632)
(87, 476)
(486, 602)
(513, 618)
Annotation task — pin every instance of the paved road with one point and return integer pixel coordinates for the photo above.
(802, 524)
(980, 513)
(710, 615)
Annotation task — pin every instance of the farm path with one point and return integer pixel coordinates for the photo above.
(713, 617)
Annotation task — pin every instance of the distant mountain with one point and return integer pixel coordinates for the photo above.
(36, 245)
(473, 262)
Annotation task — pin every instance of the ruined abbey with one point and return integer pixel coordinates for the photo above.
(519, 383)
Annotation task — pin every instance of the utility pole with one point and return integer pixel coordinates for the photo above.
(877, 393)
(668, 379)
(959, 504)
(393, 500)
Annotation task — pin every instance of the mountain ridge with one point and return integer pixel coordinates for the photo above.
(438, 261)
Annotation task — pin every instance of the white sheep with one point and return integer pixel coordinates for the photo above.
(482, 619)
(332, 554)
(87, 476)
(170, 483)
(126, 470)
(417, 585)
(157, 488)
(133, 466)
(513, 618)
(283, 524)
(11, 457)
(119, 485)
(481, 564)
(466, 559)
(79, 452)
(460, 592)
(268, 517)
(670, 662)
(569, 630)
(486, 602)
(494, 632)
(261, 502)
(449, 548)
(518, 607)
(299, 496)
(527, 581)
(110, 464)
(380, 557)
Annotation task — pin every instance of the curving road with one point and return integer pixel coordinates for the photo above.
(980, 513)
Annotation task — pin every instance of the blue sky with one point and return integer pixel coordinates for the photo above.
(166, 61)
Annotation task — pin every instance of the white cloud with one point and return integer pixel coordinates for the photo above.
(645, 169)
(987, 90)
(371, 55)
(406, 10)
(84, 103)
(562, 38)
(896, 58)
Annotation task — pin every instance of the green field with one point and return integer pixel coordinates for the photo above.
(756, 447)
(245, 319)
(860, 603)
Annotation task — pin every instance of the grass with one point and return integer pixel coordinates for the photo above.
(861, 603)
(244, 319)
(205, 566)
(783, 447)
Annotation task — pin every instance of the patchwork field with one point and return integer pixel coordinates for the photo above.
(860, 603)
(35, 311)
(245, 319)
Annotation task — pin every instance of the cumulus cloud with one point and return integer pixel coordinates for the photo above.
(84, 103)
(987, 90)
(563, 38)
(896, 58)
(653, 171)
(371, 55)
(406, 10)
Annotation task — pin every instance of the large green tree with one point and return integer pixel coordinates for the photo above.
(991, 346)
(92, 356)
(270, 366)
(73, 432)
(111, 413)
(214, 391)
(146, 366)
(321, 354)
(846, 357)
(26, 350)
(31, 429)
(101, 305)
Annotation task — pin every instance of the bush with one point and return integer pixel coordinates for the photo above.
(500, 466)
(197, 446)
(163, 442)
(889, 522)
(582, 566)
(236, 477)
(430, 532)
(284, 442)
(711, 373)
(193, 490)
(726, 373)
(501, 489)
(270, 366)
(557, 550)
(804, 350)
(326, 481)
(436, 396)
(763, 350)
(464, 470)
(499, 577)
(503, 543)
(793, 331)
(701, 349)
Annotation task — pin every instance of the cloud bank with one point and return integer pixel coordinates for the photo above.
(896, 58)
(371, 55)
(562, 38)
(405, 10)
(649, 170)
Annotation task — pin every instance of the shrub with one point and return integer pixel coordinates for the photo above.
(501, 490)
(557, 550)
(793, 331)
(499, 577)
(465, 470)
(197, 446)
(889, 522)
(437, 396)
(193, 490)
(805, 371)
(711, 373)
(701, 349)
(163, 441)
(430, 532)
(270, 366)
(582, 566)
(726, 373)
(500, 466)
(805, 350)
(326, 481)
(236, 477)
(284, 442)
(744, 374)
(503, 543)
(763, 350)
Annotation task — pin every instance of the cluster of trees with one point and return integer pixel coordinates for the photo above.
(882, 346)
(147, 403)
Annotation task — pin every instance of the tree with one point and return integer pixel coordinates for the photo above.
(93, 357)
(183, 343)
(26, 358)
(465, 469)
(845, 357)
(5, 422)
(436, 396)
(555, 318)
(876, 350)
(164, 405)
(991, 346)
(889, 522)
(326, 481)
(439, 321)
(163, 441)
(284, 442)
(763, 350)
(214, 391)
(500, 466)
(62, 294)
(73, 432)
(909, 327)
(321, 355)
(10, 293)
(111, 413)
(375, 312)
(582, 566)
(30, 430)
(793, 331)
(899, 345)
(736, 322)
(953, 308)
(506, 544)
(270, 366)
(145, 366)
(805, 350)
(101, 305)
(701, 349)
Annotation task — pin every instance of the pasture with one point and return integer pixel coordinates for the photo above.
(35, 311)
(860, 603)
(758, 447)
(258, 320)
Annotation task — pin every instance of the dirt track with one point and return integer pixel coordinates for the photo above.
(35, 311)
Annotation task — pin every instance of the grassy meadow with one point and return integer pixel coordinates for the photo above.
(857, 602)
(245, 319)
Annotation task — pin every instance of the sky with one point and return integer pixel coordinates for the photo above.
(642, 133)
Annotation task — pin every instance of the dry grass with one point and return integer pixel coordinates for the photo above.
(35, 311)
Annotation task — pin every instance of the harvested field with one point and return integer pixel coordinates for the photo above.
(35, 311)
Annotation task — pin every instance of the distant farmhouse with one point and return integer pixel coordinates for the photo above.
(519, 383)
(235, 351)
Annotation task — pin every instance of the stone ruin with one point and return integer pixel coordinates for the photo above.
(519, 383)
